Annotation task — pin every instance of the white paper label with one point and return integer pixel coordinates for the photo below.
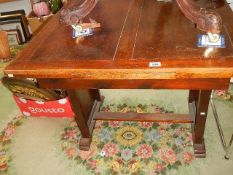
(155, 64)
(10, 75)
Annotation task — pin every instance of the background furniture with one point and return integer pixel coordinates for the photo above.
(4, 46)
(17, 18)
(4, 1)
(227, 147)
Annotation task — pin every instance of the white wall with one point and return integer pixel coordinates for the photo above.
(230, 3)
(16, 5)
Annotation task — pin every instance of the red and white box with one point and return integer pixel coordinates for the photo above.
(57, 108)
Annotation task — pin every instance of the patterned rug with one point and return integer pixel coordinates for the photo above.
(131, 147)
(226, 95)
(122, 147)
(6, 140)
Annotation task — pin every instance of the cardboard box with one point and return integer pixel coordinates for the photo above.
(37, 23)
(57, 108)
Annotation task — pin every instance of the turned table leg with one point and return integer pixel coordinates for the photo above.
(84, 104)
(199, 100)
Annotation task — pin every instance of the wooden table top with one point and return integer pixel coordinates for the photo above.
(133, 34)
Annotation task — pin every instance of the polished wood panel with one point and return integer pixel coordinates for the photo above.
(142, 31)
(145, 117)
(138, 84)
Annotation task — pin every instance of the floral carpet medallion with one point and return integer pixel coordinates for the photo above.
(132, 147)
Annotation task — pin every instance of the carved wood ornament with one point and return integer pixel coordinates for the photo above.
(205, 19)
(73, 14)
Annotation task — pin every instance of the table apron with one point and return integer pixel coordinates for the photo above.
(194, 83)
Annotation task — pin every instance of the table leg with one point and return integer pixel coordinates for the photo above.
(83, 103)
(200, 102)
(193, 96)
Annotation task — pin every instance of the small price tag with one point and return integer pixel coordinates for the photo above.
(204, 41)
(10, 75)
(154, 64)
(82, 33)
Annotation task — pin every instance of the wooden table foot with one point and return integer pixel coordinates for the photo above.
(84, 143)
(199, 150)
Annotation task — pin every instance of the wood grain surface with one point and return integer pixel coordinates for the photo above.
(134, 33)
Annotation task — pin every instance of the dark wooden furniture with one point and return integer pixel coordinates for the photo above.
(16, 17)
(134, 35)
(4, 1)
